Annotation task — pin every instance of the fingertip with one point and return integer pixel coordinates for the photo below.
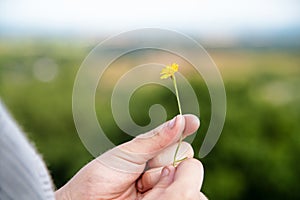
(190, 170)
(170, 133)
(192, 162)
(192, 123)
(177, 122)
(166, 157)
(185, 151)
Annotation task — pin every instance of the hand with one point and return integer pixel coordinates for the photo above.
(119, 173)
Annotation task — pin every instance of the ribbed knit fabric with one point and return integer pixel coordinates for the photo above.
(23, 174)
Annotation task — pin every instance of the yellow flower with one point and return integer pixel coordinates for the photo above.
(169, 71)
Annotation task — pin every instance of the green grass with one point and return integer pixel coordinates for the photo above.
(257, 156)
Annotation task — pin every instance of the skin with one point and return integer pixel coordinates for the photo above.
(120, 172)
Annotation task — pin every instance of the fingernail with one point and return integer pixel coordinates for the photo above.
(165, 171)
(139, 186)
(172, 122)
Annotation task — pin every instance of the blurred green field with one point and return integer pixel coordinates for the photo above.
(257, 156)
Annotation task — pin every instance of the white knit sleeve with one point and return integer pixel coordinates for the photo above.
(23, 175)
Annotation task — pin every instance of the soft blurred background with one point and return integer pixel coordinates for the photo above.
(255, 44)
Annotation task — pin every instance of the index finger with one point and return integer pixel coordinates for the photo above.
(133, 155)
(146, 146)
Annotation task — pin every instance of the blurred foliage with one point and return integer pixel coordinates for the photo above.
(257, 156)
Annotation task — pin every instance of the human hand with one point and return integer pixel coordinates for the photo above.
(118, 173)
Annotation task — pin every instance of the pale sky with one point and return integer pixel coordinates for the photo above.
(88, 16)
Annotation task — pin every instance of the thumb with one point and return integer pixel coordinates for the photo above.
(132, 156)
(150, 144)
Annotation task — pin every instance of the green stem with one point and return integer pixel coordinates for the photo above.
(179, 107)
(177, 95)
